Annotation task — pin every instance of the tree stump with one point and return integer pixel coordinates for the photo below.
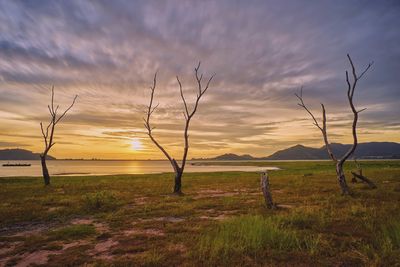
(364, 179)
(360, 176)
(266, 190)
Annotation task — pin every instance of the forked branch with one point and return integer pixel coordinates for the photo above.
(147, 123)
(323, 129)
(351, 86)
(48, 135)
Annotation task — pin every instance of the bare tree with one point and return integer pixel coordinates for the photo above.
(188, 115)
(48, 134)
(351, 86)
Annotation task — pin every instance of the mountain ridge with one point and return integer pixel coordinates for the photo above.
(368, 150)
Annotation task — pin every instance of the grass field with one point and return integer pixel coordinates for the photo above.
(132, 220)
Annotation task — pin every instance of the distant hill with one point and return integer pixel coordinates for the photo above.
(298, 152)
(230, 156)
(20, 154)
(372, 150)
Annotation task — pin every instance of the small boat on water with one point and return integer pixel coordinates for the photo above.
(16, 165)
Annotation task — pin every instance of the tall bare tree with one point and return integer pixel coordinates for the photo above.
(48, 134)
(351, 86)
(188, 115)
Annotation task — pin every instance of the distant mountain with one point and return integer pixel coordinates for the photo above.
(372, 150)
(20, 154)
(230, 156)
(384, 150)
(298, 152)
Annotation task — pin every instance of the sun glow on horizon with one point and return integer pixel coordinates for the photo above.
(136, 144)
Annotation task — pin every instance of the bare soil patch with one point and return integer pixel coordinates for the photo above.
(75, 244)
(141, 200)
(38, 257)
(216, 218)
(102, 250)
(82, 221)
(24, 229)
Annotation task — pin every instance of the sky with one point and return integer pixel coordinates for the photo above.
(262, 52)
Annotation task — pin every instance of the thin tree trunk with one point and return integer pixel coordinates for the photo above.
(178, 182)
(266, 190)
(342, 179)
(364, 179)
(46, 175)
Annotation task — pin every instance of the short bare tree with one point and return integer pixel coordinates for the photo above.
(188, 115)
(351, 86)
(48, 134)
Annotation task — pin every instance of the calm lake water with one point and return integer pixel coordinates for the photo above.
(81, 167)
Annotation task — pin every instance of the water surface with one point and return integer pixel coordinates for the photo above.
(91, 167)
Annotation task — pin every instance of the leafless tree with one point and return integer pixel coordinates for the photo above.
(48, 134)
(188, 115)
(351, 86)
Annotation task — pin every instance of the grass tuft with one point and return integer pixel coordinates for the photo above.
(389, 238)
(251, 235)
(100, 201)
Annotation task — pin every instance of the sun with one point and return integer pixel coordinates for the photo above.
(136, 144)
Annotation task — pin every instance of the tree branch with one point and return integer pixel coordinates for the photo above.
(350, 94)
(48, 136)
(301, 104)
(150, 110)
(323, 129)
(65, 112)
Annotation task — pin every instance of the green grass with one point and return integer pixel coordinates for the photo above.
(73, 232)
(317, 226)
(251, 235)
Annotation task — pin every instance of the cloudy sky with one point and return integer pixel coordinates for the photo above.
(261, 51)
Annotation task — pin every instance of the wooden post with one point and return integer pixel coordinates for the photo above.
(266, 190)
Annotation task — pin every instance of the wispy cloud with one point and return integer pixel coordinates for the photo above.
(262, 52)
